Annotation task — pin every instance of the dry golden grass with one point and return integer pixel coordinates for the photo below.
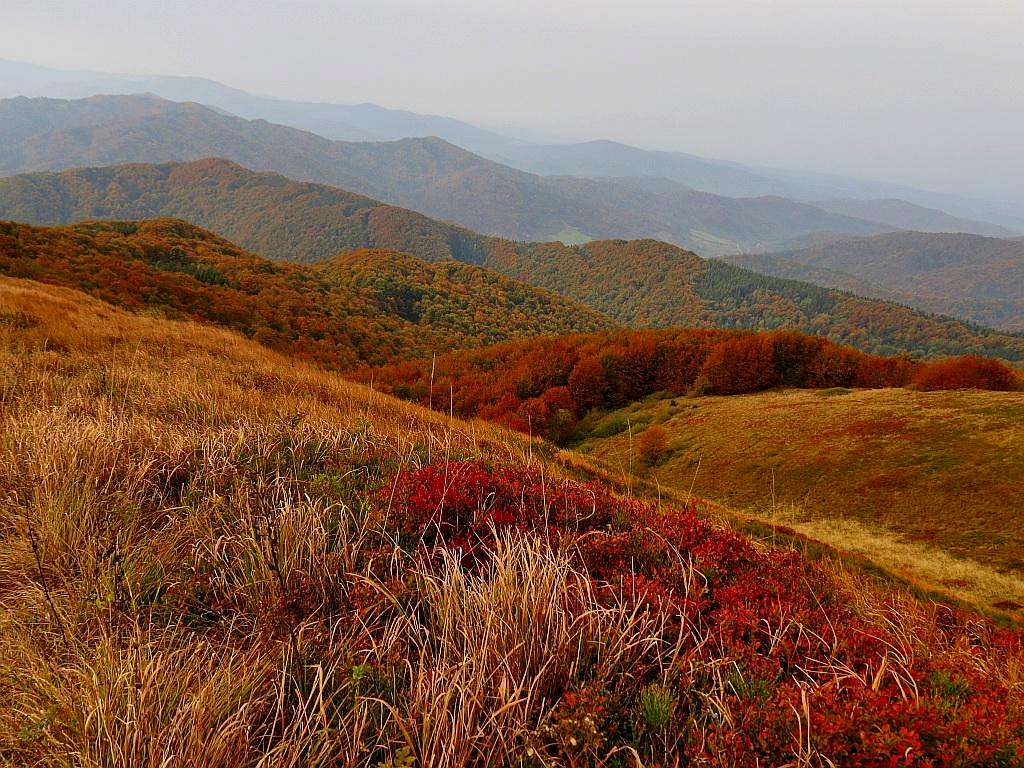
(135, 452)
(183, 516)
(139, 454)
(927, 484)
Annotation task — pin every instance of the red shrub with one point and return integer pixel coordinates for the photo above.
(746, 364)
(652, 444)
(770, 616)
(967, 372)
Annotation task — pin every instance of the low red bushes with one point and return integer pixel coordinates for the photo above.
(801, 668)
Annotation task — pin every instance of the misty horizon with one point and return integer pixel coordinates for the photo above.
(915, 93)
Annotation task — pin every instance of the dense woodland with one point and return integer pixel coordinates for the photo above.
(650, 283)
(639, 283)
(263, 212)
(545, 386)
(363, 307)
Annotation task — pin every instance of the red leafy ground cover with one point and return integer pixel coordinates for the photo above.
(783, 657)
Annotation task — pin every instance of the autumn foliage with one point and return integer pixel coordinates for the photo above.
(217, 556)
(652, 444)
(803, 662)
(967, 372)
(544, 386)
(362, 307)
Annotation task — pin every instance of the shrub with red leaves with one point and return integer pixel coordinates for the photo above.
(967, 372)
(746, 364)
(781, 625)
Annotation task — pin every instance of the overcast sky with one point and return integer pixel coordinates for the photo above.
(925, 92)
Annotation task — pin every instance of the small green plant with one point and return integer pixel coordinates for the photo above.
(749, 688)
(951, 690)
(656, 706)
(403, 758)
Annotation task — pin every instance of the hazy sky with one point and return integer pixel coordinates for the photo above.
(927, 92)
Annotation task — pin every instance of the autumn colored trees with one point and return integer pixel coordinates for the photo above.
(363, 307)
(967, 372)
(544, 386)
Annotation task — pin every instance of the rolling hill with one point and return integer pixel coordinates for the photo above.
(428, 175)
(361, 307)
(637, 283)
(980, 279)
(925, 483)
(217, 555)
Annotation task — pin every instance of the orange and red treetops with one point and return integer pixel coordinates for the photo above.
(374, 307)
(544, 386)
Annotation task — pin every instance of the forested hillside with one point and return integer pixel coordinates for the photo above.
(638, 283)
(980, 279)
(264, 212)
(649, 283)
(362, 307)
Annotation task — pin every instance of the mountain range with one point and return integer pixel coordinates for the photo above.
(878, 201)
(429, 175)
(636, 283)
(602, 158)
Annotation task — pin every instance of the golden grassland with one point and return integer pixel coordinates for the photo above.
(929, 485)
(143, 461)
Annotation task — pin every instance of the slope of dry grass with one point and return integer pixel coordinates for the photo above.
(204, 563)
(930, 484)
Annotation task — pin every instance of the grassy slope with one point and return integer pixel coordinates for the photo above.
(198, 568)
(365, 306)
(928, 484)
